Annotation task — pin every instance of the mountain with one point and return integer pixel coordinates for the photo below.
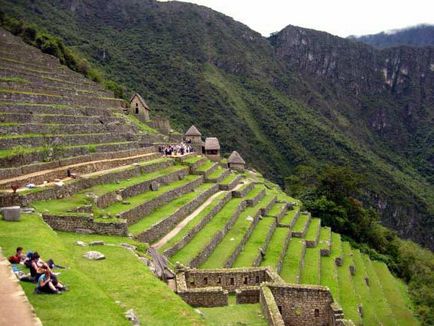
(420, 35)
(299, 97)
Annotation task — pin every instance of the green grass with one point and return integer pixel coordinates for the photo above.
(19, 80)
(135, 201)
(291, 262)
(195, 246)
(275, 247)
(232, 239)
(235, 315)
(165, 211)
(395, 293)
(348, 296)
(94, 286)
(217, 173)
(205, 166)
(301, 223)
(193, 159)
(329, 276)
(229, 179)
(276, 209)
(256, 240)
(190, 225)
(311, 272)
(314, 229)
(289, 216)
(364, 293)
(255, 192)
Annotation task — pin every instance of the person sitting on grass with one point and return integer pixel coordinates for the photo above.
(19, 256)
(47, 284)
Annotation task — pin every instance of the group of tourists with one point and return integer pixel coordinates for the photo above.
(176, 150)
(41, 272)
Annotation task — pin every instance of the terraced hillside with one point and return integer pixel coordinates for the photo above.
(190, 209)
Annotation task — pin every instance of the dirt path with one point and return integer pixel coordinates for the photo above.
(15, 309)
(185, 221)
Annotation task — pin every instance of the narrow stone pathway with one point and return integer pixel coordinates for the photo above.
(15, 309)
(185, 221)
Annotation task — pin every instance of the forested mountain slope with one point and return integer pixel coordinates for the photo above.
(300, 97)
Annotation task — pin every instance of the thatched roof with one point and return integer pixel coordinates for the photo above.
(212, 143)
(141, 100)
(235, 158)
(193, 131)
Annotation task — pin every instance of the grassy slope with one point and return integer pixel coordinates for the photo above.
(94, 286)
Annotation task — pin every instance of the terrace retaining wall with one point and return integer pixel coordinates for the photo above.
(263, 249)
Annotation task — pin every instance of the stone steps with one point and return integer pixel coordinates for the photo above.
(100, 102)
(40, 140)
(19, 156)
(79, 166)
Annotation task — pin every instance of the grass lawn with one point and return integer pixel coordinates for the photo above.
(311, 271)
(329, 276)
(275, 248)
(205, 166)
(383, 308)
(363, 290)
(396, 294)
(190, 225)
(291, 263)
(135, 201)
(256, 241)
(325, 237)
(235, 315)
(167, 210)
(349, 298)
(200, 240)
(232, 239)
(229, 179)
(276, 209)
(94, 286)
(301, 223)
(288, 218)
(217, 173)
(314, 229)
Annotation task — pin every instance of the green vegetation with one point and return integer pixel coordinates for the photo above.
(291, 263)
(94, 286)
(301, 223)
(18, 80)
(314, 229)
(142, 126)
(229, 179)
(275, 247)
(311, 270)
(289, 217)
(256, 241)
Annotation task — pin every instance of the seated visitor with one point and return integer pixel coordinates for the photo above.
(48, 284)
(18, 257)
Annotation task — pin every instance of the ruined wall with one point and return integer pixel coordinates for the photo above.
(303, 304)
(85, 224)
(269, 307)
(247, 294)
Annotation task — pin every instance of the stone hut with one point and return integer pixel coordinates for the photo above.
(236, 162)
(193, 135)
(139, 108)
(212, 148)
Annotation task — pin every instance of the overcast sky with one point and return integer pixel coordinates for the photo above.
(339, 17)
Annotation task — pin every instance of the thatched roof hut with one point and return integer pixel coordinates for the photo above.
(193, 131)
(235, 158)
(212, 144)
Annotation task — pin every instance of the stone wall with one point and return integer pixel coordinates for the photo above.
(220, 178)
(302, 233)
(206, 172)
(85, 224)
(253, 201)
(109, 198)
(159, 229)
(269, 307)
(205, 297)
(313, 243)
(134, 214)
(196, 229)
(247, 294)
(266, 209)
(303, 304)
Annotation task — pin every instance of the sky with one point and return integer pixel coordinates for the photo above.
(338, 17)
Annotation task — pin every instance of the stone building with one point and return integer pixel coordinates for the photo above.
(139, 108)
(212, 148)
(193, 135)
(236, 162)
